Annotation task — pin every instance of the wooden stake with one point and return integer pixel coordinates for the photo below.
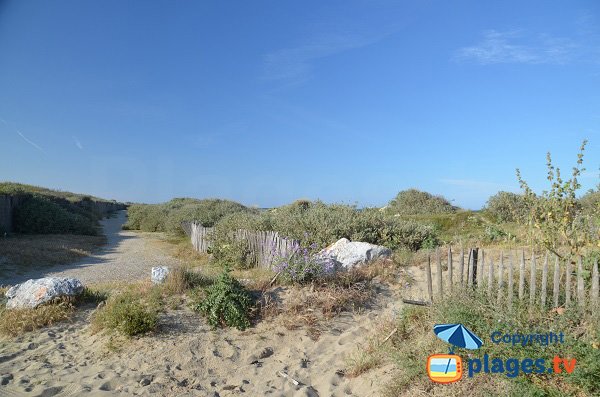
(511, 280)
(580, 285)
(429, 282)
(470, 269)
(532, 279)
(490, 276)
(522, 276)
(500, 276)
(556, 287)
(544, 281)
(439, 273)
(568, 284)
(595, 281)
(461, 265)
(450, 269)
(481, 270)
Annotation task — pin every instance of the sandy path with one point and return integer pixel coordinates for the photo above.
(126, 257)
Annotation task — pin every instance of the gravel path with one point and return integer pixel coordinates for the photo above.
(127, 257)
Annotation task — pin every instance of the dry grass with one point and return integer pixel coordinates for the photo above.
(16, 322)
(371, 354)
(24, 252)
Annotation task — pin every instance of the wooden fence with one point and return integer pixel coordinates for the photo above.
(265, 247)
(496, 276)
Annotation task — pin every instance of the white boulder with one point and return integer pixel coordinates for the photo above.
(159, 274)
(347, 254)
(33, 293)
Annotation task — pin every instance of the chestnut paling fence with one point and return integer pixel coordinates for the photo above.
(543, 280)
(264, 247)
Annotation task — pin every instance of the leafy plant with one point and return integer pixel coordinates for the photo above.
(507, 207)
(555, 218)
(414, 202)
(167, 217)
(227, 303)
(40, 215)
(127, 314)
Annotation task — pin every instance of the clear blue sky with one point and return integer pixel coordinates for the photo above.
(265, 102)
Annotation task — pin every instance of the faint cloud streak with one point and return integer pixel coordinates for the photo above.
(294, 65)
(29, 141)
(514, 47)
(78, 143)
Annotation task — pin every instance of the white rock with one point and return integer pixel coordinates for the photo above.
(159, 274)
(33, 293)
(347, 254)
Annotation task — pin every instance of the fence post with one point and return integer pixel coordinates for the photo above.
(490, 275)
(470, 269)
(532, 278)
(481, 270)
(544, 281)
(439, 273)
(510, 279)
(568, 284)
(461, 265)
(474, 257)
(522, 275)
(501, 275)
(580, 290)
(556, 281)
(429, 282)
(594, 297)
(450, 269)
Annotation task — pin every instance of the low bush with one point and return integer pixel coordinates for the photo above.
(507, 207)
(416, 202)
(168, 217)
(317, 225)
(226, 303)
(40, 215)
(127, 314)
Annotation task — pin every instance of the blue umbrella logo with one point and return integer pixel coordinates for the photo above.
(458, 336)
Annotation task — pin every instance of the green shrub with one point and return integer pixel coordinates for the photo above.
(127, 314)
(507, 207)
(168, 217)
(227, 303)
(416, 202)
(40, 215)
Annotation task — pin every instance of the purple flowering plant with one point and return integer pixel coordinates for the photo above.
(302, 264)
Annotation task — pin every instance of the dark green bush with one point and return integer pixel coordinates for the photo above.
(507, 207)
(40, 215)
(227, 303)
(416, 202)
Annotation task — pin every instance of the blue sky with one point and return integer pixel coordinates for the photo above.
(265, 102)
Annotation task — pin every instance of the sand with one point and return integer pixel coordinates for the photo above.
(185, 357)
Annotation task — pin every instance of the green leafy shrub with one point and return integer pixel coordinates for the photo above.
(227, 303)
(40, 215)
(319, 224)
(555, 219)
(127, 314)
(168, 217)
(507, 207)
(416, 202)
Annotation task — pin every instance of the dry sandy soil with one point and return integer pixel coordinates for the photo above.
(185, 357)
